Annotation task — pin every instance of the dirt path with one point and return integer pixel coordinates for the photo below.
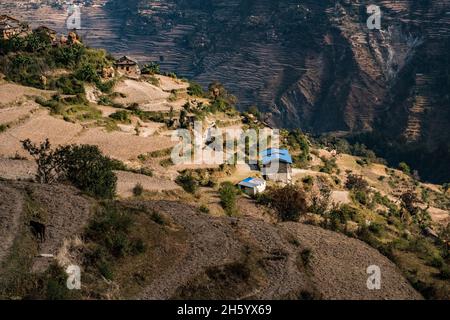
(11, 207)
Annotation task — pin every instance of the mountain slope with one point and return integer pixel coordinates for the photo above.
(192, 255)
(317, 66)
(313, 65)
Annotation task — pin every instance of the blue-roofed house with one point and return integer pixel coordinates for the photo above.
(252, 186)
(276, 165)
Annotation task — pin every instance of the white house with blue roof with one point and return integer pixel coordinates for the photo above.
(253, 186)
(276, 165)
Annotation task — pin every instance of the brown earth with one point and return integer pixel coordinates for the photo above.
(10, 93)
(61, 208)
(255, 259)
(126, 181)
(213, 258)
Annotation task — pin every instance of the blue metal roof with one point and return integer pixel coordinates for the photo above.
(251, 182)
(271, 151)
(271, 155)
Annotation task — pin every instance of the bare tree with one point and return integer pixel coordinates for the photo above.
(46, 159)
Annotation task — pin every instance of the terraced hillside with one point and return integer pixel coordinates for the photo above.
(313, 65)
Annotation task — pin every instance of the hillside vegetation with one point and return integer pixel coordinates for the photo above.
(91, 159)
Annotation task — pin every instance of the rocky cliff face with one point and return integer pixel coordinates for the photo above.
(309, 64)
(315, 64)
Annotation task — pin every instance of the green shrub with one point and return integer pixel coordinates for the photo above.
(68, 85)
(320, 201)
(56, 288)
(110, 229)
(154, 81)
(376, 228)
(151, 68)
(195, 90)
(89, 170)
(105, 101)
(436, 261)
(105, 86)
(187, 182)
(121, 116)
(171, 75)
(404, 168)
(338, 216)
(228, 195)
(105, 270)
(329, 165)
(55, 107)
(160, 153)
(361, 197)
(87, 73)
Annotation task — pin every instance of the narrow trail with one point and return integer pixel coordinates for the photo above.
(11, 207)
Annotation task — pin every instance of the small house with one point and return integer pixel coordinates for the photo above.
(276, 165)
(127, 67)
(10, 27)
(252, 186)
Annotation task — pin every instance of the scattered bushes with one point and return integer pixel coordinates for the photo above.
(31, 59)
(336, 219)
(110, 238)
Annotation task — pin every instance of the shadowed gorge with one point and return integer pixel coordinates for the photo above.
(312, 65)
